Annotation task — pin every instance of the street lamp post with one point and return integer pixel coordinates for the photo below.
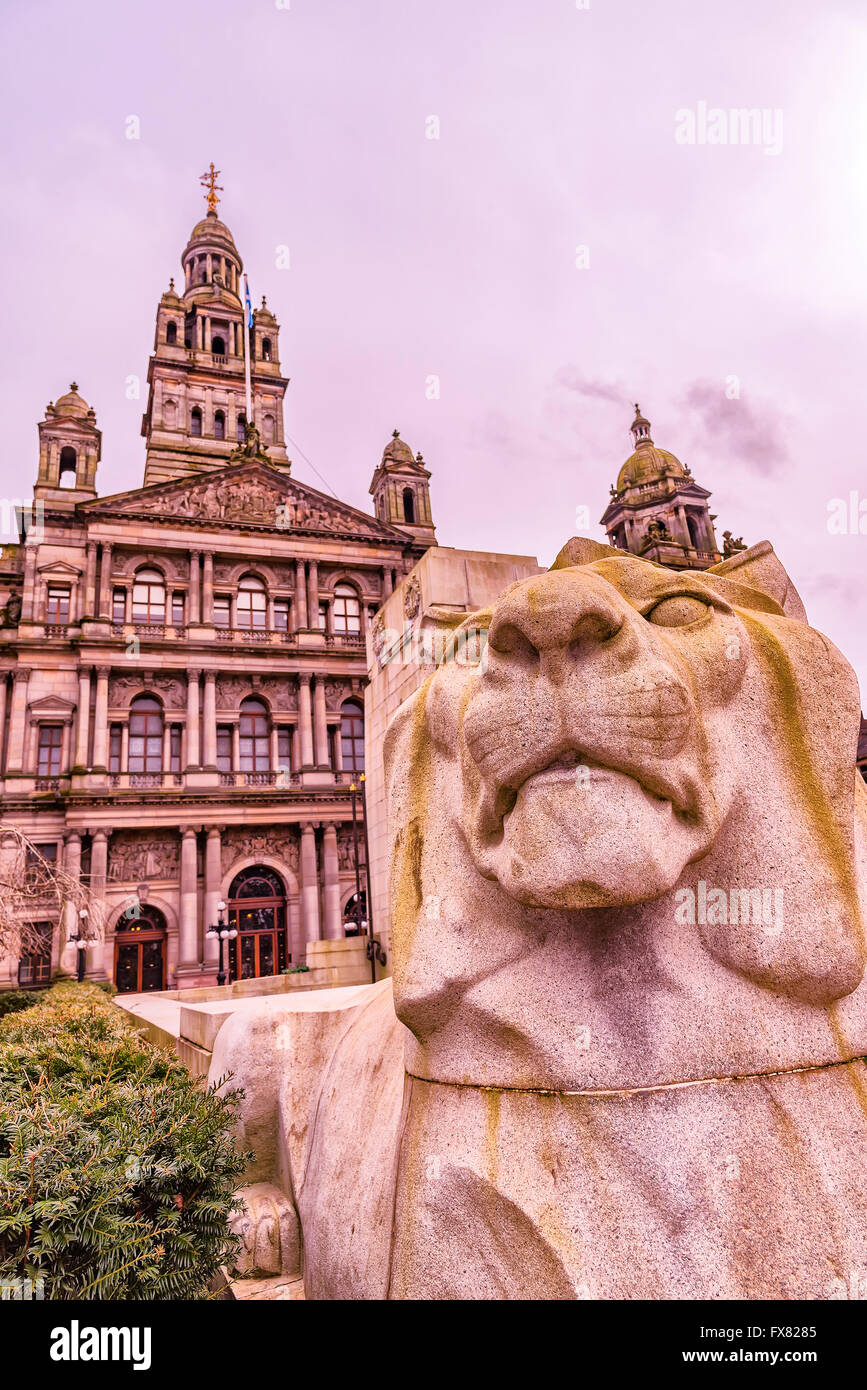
(223, 932)
(80, 942)
(374, 947)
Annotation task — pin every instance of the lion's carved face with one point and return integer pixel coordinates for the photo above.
(630, 732)
(588, 744)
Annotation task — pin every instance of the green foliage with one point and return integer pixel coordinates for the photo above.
(11, 1000)
(117, 1169)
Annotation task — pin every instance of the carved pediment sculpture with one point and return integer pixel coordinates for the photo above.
(245, 491)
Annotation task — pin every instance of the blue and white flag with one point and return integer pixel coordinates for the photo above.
(247, 302)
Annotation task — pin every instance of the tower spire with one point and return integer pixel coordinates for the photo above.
(209, 180)
(640, 428)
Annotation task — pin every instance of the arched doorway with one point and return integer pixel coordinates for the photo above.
(257, 910)
(355, 914)
(140, 952)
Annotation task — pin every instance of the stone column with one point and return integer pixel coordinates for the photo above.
(89, 610)
(305, 719)
(320, 726)
(193, 718)
(309, 884)
(17, 720)
(124, 746)
(208, 588)
(274, 748)
(194, 600)
(236, 747)
(98, 911)
(313, 594)
(83, 726)
(100, 721)
(300, 596)
(167, 747)
(212, 895)
(387, 585)
(2, 711)
(28, 596)
(72, 865)
(338, 749)
(296, 747)
(189, 914)
(105, 581)
(209, 758)
(331, 884)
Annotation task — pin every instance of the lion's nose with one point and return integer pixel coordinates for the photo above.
(555, 612)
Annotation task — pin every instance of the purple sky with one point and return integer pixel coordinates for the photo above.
(457, 257)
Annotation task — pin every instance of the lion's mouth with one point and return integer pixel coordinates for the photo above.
(575, 769)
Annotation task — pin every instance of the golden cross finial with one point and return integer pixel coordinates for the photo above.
(209, 181)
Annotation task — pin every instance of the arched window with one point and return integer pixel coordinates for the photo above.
(68, 466)
(170, 414)
(255, 751)
(171, 333)
(196, 421)
(145, 735)
(218, 345)
(693, 530)
(352, 736)
(219, 425)
(408, 505)
(252, 603)
(242, 428)
(268, 429)
(149, 597)
(266, 349)
(257, 911)
(347, 609)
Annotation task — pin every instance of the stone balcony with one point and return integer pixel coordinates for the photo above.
(237, 636)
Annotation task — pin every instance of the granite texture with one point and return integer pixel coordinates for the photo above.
(629, 854)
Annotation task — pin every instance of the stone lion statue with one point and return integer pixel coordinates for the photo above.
(625, 1053)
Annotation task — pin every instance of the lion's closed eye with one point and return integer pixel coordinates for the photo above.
(677, 611)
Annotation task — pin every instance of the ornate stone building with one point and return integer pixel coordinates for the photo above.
(182, 665)
(658, 510)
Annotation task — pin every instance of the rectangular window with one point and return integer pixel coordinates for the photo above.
(58, 604)
(222, 610)
(50, 741)
(39, 865)
(114, 747)
(118, 606)
(175, 748)
(323, 617)
(224, 748)
(284, 747)
(281, 614)
(34, 967)
(177, 610)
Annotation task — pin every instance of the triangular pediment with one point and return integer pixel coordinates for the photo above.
(245, 494)
(52, 705)
(61, 568)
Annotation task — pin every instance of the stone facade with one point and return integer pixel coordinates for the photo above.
(182, 665)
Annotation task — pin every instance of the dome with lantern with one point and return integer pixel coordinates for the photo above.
(648, 464)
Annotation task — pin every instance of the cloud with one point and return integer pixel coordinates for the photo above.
(571, 380)
(752, 432)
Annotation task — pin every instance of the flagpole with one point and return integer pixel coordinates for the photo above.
(248, 323)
